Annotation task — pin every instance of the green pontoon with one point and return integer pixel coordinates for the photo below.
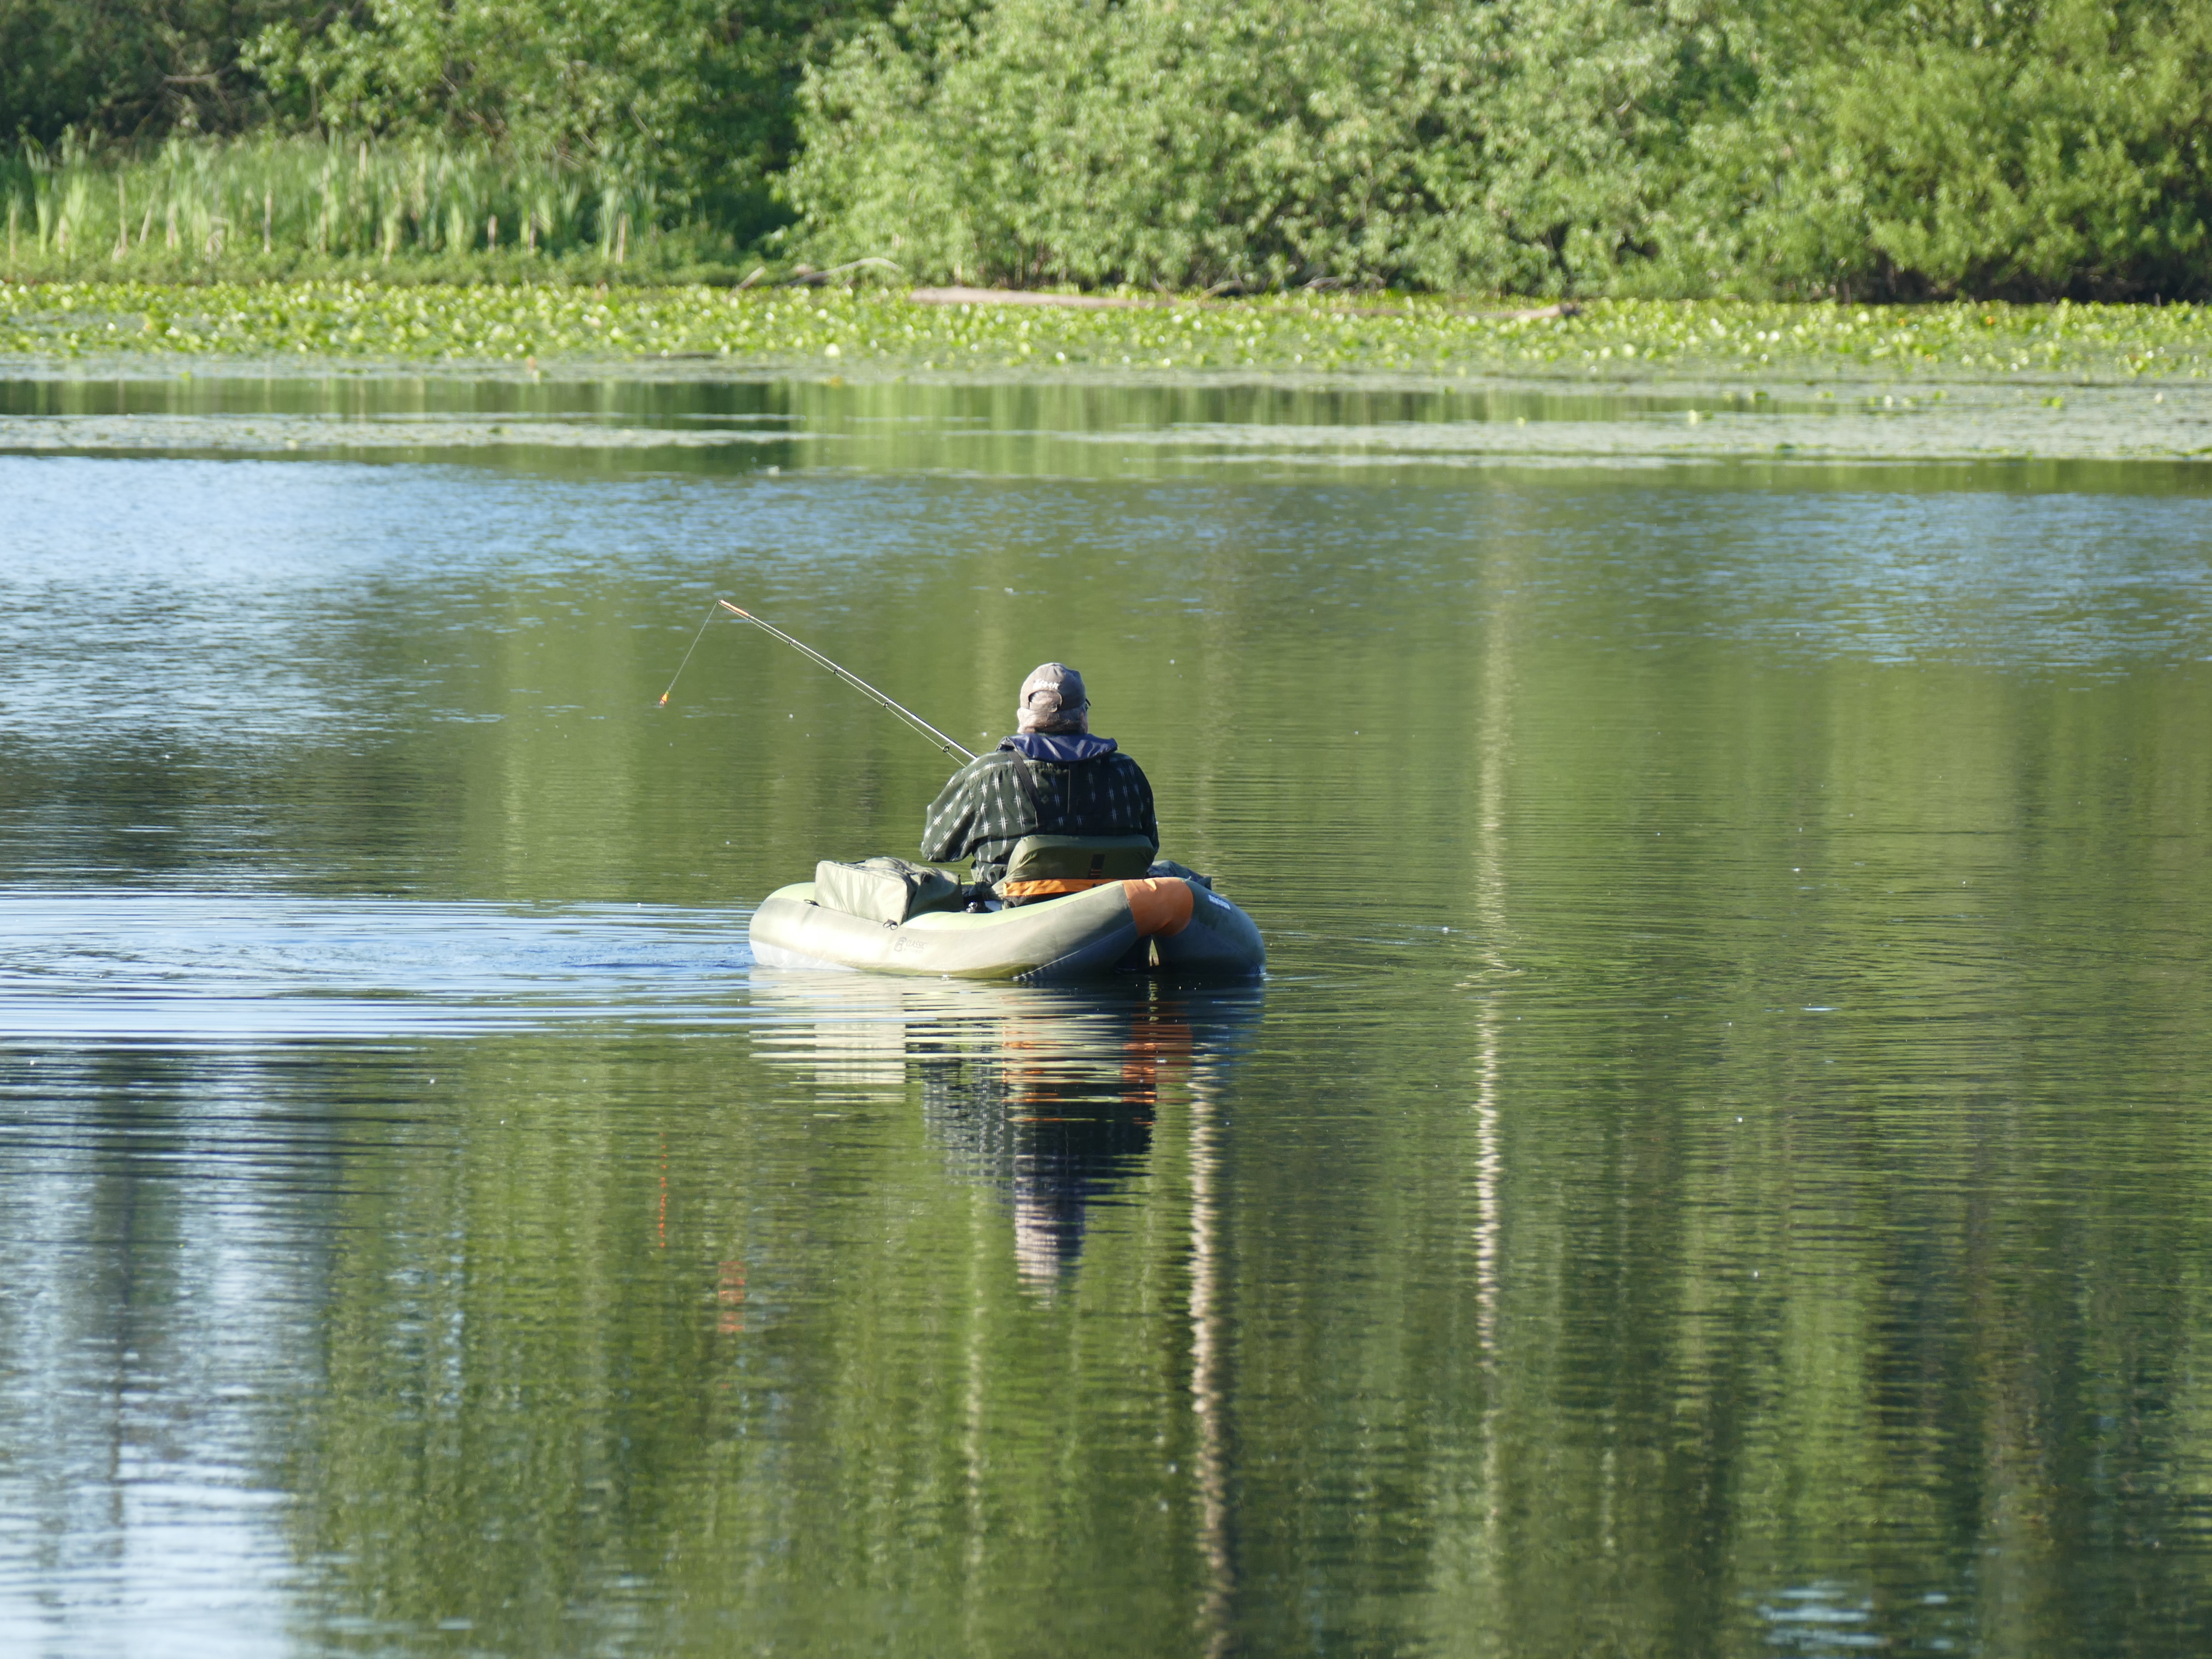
(888, 917)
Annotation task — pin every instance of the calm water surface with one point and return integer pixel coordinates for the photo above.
(1719, 1166)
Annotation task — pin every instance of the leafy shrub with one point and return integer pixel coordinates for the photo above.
(1544, 146)
(2030, 151)
(1222, 142)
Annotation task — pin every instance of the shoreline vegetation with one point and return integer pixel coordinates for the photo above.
(1918, 189)
(1890, 151)
(869, 327)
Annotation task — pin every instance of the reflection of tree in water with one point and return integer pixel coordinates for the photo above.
(1054, 1134)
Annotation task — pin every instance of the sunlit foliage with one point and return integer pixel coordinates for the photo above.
(1857, 150)
(1551, 146)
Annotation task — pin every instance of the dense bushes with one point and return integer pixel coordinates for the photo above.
(1864, 148)
(2064, 149)
(1209, 141)
(1534, 145)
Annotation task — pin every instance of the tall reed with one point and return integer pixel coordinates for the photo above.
(77, 207)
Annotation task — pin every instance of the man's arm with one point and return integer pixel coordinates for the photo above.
(1141, 788)
(949, 831)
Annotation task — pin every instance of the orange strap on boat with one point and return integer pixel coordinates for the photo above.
(1051, 888)
(1161, 904)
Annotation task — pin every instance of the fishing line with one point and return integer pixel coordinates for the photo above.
(686, 663)
(845, 674)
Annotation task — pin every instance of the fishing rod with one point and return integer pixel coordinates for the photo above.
(850, 678)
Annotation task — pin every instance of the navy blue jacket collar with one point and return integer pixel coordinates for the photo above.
(1054, 746)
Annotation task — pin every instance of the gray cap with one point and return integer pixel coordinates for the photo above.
(1052, 700)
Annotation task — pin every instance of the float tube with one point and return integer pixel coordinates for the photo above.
(1158, 923)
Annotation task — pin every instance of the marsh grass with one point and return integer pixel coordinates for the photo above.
(191, 208)
(878, 329)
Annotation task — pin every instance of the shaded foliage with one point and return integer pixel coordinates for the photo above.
(136, 68)
(692, 99)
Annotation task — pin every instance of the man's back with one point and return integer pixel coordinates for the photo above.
(1036, 784)
(1051, 778)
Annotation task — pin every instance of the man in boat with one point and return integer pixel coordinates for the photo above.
(1051, 778)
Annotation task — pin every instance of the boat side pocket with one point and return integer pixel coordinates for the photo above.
(883, 889)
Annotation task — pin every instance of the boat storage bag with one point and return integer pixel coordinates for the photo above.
(885, 889)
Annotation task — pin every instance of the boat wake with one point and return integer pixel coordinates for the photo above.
(166, 968)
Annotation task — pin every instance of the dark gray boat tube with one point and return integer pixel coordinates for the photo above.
(1219, 940)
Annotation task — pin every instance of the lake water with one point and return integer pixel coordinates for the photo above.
(1720, 1164)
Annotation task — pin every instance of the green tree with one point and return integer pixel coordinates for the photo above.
(132, 67)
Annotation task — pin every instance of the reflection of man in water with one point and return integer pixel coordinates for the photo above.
(1051, 778)
(1053, 1129)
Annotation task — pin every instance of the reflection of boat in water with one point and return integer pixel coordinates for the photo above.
(1047, 1096)
(1162, 924)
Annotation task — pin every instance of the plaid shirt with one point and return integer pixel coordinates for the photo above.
(983, 810)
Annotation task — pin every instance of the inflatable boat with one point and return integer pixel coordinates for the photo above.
(887, 916)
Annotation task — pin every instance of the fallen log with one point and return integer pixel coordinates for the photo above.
(1016, 296)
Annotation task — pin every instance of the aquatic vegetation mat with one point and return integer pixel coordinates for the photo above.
(836, 331)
